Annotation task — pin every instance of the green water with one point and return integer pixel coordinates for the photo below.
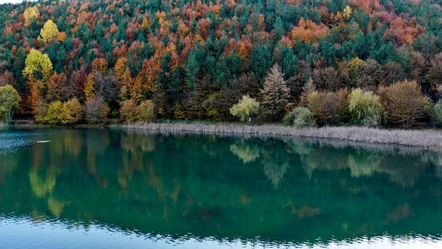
(118, 189)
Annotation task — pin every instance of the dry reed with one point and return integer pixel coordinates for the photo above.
(428, 139)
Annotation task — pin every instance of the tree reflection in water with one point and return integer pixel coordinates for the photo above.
(294, 190)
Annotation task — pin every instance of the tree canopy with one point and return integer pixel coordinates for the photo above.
(186, 56)
(9, 100)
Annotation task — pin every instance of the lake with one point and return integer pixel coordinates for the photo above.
(98, 188)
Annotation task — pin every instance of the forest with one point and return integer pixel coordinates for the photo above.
(302, 62)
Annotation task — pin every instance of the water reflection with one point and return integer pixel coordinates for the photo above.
(297, 191)
(110, 237)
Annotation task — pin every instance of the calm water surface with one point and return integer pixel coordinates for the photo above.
(118, 189)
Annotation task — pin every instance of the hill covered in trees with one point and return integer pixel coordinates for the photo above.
(196, 59)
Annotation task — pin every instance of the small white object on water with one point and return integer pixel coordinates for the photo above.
(42, 142)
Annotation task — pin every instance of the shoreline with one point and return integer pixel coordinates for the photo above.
(426, 139)
(430, 139)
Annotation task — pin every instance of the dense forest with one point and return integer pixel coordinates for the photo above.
(317, 62)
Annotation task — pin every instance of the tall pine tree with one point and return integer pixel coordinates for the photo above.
(275, 95)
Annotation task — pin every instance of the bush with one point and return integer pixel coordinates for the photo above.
(146, 111)
(405, 104)
(9, 100)
(56, 114)
(74, 110)
(313, 102)
(245, 108)
(96, 111)
(128, 110)
(40, 111)
(437, 112)
(300, 117)
(59, 113)
(330, 108)
(365, 108)
(131, 112)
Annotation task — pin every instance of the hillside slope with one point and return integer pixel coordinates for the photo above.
(195, 59)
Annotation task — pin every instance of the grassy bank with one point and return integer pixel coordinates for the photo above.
(428, 139)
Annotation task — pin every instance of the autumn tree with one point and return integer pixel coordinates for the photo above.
(31, 14)
(365, 108)
(60, 113)
(369, 75)
(7, 78)
(391, 73)
(107, 86)
(245, 109)
(128, 110)
(88, 90)
(308, 31)
(146, 111)
(307, 89)
(330, 108)
(38, 66)
(74, 110)
(275, 94)
(100, 65)
(56, 113)
(9, 100)
(37, 71)
(58, 88)
(405, 104)
(48, 32)
(96, 110)
(131, 112)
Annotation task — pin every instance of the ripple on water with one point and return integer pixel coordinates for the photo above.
(11, 141)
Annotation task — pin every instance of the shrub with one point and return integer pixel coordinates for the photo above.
(437, 112)
(300, 117)
(245, 108)
(330, 108)
(40, 111)
(96, 111)
(128, 110)
(335, 106)
(365, 108)
(74, 110)
(56, 114)
(146, 111)
(313, 102)
(9, 100)
(405, 104)
(131, 112)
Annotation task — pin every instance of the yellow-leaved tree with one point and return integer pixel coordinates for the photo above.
(30, 15)
(347, 12)
(89, 87)
(38, 69)
(37, 64)
(48, 32)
